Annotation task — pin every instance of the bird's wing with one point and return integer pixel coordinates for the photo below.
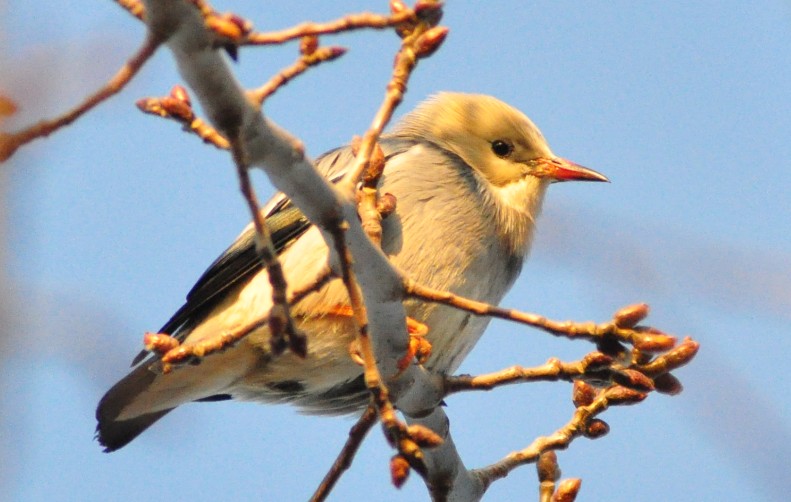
(285, 222)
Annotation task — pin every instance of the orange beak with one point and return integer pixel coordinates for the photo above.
(558, 169)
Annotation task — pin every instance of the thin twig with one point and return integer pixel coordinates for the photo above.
(283, 331)
(346, 23)
(357, 434)
(174, 353)
(9, 143)
(561, 438)
(647, 339)
(595, 364)
(310, 55)
(420, 40)
(417, 43)
(368, 206)
(177, 106)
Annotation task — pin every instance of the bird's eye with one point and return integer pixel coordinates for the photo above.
(502, 148)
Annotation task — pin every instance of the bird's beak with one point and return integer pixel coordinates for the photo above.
(558, 169)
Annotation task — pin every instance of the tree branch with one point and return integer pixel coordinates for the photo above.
(11, 142)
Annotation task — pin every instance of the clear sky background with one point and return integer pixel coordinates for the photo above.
(684, 105)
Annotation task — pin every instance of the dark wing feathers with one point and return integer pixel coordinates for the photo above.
(237, 263)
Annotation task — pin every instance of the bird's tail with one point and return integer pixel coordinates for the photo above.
(114, 433)
(147, 394)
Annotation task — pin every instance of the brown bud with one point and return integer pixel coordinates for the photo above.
(583, 393)
(151, 106)
(399, 470)
(668, 384)
(567, 491)
(629, 316)
(633, 379)
(397, 6)
(430, 41)
(386, 204)
(596, 361)
(682, 354)
(409, 449)
(429, 11)
(596, 428)
(547, 466)
(159, 342)
(654, 342)
(244, 25)
(376, 165)
(335, 52)
(224, 27)
(308, 45)
(619, 395)
(423, 436)
(177, 354)
(180, 93)
(177, 108)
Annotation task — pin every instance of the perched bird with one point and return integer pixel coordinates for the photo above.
(469, 175)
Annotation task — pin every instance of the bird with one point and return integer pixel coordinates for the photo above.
(468, 172)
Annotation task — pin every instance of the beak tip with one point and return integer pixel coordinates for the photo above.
(565, 170)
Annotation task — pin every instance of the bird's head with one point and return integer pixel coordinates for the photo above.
(497, 140)
(505, 149)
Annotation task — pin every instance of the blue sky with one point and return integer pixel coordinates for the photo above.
(685, 106)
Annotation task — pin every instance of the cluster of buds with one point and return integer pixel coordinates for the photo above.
(409, 455)
(548, 476)
(230, 30)
(426, 14)
(177, 105)
(425, 11)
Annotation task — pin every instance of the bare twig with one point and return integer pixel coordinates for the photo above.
(346, 23)
(9, 143)
(418, 42)
(583, 417)
(589, 403)
(567, 490)
(644, 339)
(282, 330)
(177, 106)
(396, 431)
(174, 353)
(310, 55)
(344, 460)
(593, 365)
